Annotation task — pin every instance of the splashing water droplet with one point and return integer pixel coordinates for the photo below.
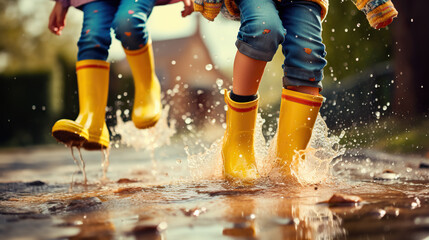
(209, 67)
(150, 138)
(219, 83)
(188, 120)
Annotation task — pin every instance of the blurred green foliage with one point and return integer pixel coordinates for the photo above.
(351, 43)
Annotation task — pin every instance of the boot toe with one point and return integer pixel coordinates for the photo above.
(145, 119)
(244, 177)
(239, 169)
(69, 132)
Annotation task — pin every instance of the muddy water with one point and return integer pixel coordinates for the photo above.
(156, 186)
(139, 200)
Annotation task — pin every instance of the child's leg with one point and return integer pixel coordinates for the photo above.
(260, 34)
(303, 48)
(247, 74)
(95, 39)
(89, 129)
(304, 60)
(130, 28)
(130, 23)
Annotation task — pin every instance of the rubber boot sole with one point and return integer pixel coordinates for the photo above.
(69, 132)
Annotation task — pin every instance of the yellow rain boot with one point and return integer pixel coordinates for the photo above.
(238, 152)
(147, 95)
(89, 129)
(298, 113)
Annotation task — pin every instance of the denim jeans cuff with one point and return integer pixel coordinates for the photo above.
(289, 81)
(249, 51)
(303, 74)
(301, 77)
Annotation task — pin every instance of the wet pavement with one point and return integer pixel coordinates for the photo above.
(155, 196)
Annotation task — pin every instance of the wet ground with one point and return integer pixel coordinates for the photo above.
(154, 196)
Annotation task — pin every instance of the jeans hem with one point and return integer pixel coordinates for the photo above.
(251, 52)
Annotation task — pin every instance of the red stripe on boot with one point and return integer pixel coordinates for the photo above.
(92, 66)
(302, 101)
(136, 52)
(242, 109)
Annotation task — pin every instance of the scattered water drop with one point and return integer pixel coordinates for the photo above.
(150, 138)
(209, 67)
(219, 83)
(188, 120)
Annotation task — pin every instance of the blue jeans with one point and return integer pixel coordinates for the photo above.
(296, 25)
(127, 18)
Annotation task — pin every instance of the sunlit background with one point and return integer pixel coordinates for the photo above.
(375, 82)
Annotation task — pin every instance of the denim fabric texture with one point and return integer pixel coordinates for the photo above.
(296, 25)
(126, 17)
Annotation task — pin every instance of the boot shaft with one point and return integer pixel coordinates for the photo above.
(142, 66)
(93, 88)
(241, 117)
(147, 106)
(298, 113)
(238, 143)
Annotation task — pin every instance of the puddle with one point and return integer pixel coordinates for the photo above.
(183, 195)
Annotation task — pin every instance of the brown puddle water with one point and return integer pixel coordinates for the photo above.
(184, 197)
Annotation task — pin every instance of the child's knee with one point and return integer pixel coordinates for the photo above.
(261, 38)
(129, 27)
(93, 45)
(307, 55)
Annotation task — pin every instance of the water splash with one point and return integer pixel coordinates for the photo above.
(323, 149)
(105, 163)
(81, 166)
(313, 167)
(150, 138)
(208, 165)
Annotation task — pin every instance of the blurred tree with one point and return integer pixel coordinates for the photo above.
(351, 43)
(26, 43)
(34, 70)
(412, 51)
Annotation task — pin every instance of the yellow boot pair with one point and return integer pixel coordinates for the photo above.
(89, 130)
(298, 113)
